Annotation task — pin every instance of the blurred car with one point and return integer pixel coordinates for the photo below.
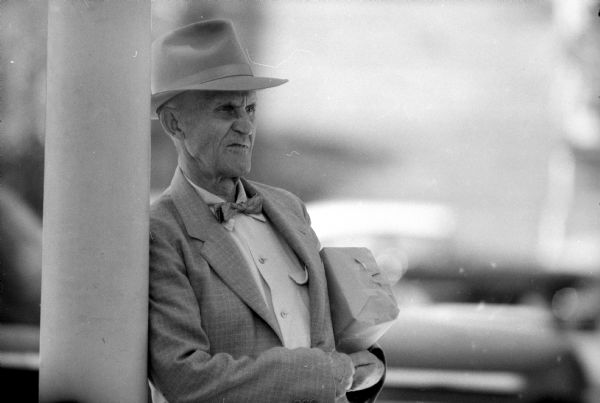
(572, 298)
(479, 353)
(19, 362)
(20, 287)
(468, 330)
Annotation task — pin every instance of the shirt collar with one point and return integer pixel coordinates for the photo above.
(212, 199)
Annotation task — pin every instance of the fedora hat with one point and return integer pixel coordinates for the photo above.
(204, 55)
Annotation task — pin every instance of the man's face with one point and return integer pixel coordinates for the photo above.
(219, 131)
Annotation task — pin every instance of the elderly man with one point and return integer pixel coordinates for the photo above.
(239, 310)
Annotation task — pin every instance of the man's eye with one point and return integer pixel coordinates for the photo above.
(251, 109)
(226, 108)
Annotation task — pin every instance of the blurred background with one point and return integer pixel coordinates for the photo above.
(488, 110)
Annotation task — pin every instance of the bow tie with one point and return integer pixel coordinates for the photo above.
(224, 211)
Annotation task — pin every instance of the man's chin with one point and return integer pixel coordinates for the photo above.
(238, 172)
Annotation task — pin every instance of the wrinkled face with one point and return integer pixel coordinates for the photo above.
(219, 131)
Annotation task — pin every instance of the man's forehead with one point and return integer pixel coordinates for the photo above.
(236, 97)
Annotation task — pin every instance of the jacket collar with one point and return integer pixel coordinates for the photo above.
(222, 254)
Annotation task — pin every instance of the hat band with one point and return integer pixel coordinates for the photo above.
(207, 75)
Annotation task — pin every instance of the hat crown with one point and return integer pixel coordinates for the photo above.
(198, 47)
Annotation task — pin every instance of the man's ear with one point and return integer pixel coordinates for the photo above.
(169, 118)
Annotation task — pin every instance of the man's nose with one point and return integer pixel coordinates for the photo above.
(244, 125)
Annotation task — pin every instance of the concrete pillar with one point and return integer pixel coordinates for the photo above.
(95, 236)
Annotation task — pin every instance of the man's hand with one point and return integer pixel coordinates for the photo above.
(368, 370)
(343, 372)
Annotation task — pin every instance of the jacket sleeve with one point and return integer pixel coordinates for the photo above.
(182, 366)
(369, 395)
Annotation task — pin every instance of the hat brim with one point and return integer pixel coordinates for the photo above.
(233, 83)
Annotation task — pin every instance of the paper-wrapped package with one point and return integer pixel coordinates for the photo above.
(363, 306)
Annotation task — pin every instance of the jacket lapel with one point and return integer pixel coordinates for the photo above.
(218, 248)
(298, 234)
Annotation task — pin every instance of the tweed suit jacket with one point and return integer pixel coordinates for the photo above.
(212, 337)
